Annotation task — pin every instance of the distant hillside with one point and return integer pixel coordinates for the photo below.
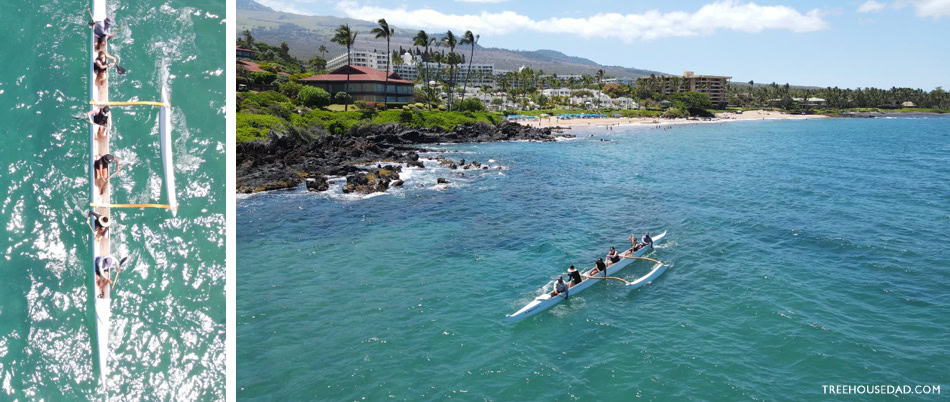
(305, 34)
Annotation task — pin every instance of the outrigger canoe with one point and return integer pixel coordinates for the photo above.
(102, 203)
(546, 301)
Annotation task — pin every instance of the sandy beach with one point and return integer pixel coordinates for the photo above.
(720, 117)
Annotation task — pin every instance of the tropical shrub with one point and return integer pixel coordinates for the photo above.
(341, 98)
(290, 89)
(313, 97)
(471, 105)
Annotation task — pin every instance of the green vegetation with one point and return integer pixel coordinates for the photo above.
(261, 113)
(313, 97)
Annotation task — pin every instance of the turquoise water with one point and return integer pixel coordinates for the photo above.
(803, 253)
(168, 308)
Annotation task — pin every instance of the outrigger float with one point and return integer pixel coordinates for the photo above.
(102, 203)
(546, 301)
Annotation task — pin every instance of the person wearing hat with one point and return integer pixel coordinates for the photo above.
(613, 256)
(102, 29)
(104, 266)
(100, 225)
(102, 170)
(101, 117)
(575, 276)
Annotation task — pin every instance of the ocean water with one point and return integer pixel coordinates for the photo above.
(802, 253)
(169, 306)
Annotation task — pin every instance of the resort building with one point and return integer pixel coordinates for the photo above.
(361, 58)
(243, 53)
(712, 85)
(559, 92)
(366, 84)
(620, 80)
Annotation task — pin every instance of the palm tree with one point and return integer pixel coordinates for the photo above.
(384, 31)
(323, 51)
(422, 39)
(450, 41)
(345, 37)
(469, 39)
(248, 39)
(600, 78)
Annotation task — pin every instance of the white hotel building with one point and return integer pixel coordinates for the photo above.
(482, 74)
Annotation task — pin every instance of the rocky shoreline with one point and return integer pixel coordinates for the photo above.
(287, 160)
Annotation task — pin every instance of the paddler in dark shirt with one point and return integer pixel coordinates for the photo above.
(100, 117)
(560, 287)
(599, 267)
(613, 256)
(647, 240)
(575, 276)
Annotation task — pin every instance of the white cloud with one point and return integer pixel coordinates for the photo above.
(720, 15)
(480, 1)
(929, 8)
(871, 6)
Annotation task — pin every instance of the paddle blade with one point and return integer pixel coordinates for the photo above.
(123, 260)
(121, 70)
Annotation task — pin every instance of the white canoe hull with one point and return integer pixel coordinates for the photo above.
(546, 301)
(102, 247)
(657, 270)
(168, 164)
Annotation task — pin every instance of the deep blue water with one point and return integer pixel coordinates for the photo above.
(803, 253)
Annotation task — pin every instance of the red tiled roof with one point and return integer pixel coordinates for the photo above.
(251, 66)
(246, 50)
(359, 73)
(255, 68)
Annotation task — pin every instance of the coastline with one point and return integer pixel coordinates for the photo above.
(750, 115)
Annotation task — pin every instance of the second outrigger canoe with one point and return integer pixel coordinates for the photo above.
(546, 301)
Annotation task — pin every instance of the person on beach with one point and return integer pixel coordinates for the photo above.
(104, 267)
(612, 256)
(101, 117)
(559, 287)
(100, 225)
(575, 276)
(102, 170)
(101, 66)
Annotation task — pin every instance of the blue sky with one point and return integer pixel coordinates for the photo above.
(880, 43)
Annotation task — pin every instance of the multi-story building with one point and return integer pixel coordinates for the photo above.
(712, 85)
(362, 58)
(365, 84)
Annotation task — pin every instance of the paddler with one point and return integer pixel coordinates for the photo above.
(102, 170)
(100, 225)
(634, 246)
(599, 267)
(575, 276)
(103, 274)
(102, 29)
(101, 117)
(612, 256)
(560, 287)
(647, 240)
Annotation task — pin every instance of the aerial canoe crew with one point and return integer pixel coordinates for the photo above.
(102, 170)
(104, 266)
(612, 256)
(100, 225)
(575, 276)
(102, 29)
(102, 117)
(101, 66)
